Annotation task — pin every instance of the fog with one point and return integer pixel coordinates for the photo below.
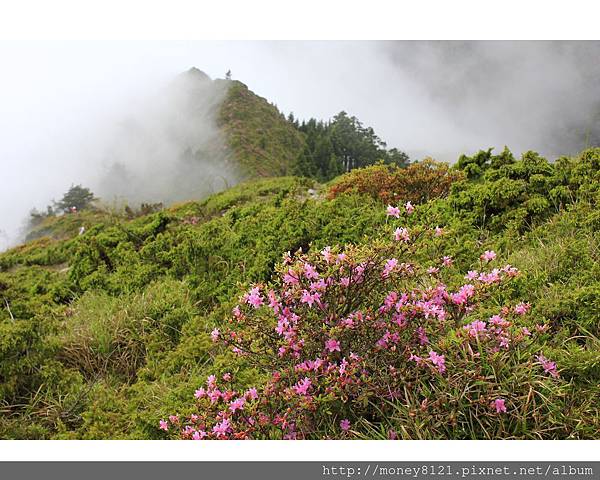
(117, 117)
(167, 149)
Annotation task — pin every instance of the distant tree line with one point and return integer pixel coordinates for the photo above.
(340, 145)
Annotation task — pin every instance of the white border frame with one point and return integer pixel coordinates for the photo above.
(326, 450)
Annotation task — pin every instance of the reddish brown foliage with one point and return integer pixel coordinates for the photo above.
(417, 183)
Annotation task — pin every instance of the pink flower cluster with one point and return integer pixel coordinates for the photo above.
(488, 256)
(335, 329)
(254, 297)
(395, 211)
(500, 405)
(223, 413)
(548, 366)
(495, 334)
(402, 234)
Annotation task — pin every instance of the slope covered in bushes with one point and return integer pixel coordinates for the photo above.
(107, 334)
(262, 141)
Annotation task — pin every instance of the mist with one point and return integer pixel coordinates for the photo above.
(170, 148)
(542, 96)
(120, 118)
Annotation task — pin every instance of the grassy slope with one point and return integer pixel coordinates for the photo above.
(263, 141)
(108, 331)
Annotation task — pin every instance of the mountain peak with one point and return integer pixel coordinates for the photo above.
(197, 74)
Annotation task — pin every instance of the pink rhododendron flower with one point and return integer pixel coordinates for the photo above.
(548, 366)
(510, 271)
(458, 298)
(498, 321)
(310, 272)
(254, 298)
(327, 255)
(358, 273)
(472, 275)
(221, 429)
(389, 267)
(541, 328)
(343, 366)
(433, 270)
(283, 326)
(475, 328)
(347, 322)
(415, 358)
(309, 298)
(237, 404)
(332, 345)
(301, 388)
(215, 334)
(345, 424)
(389, 302)
(273, 301)
(447, 261)
(439, 231)
(438, 360)
(409, 207)
(252, 394)
(500, 405)
(393, 211)
(214, 395)
(401, 233)
(465, 292)
(522, 308)
(163, 425)
(488, 255)
(423, 339)
(290, 278)
(226, 377)
(491, 277)
(200, 393)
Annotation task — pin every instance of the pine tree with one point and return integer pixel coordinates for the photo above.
(78, 197)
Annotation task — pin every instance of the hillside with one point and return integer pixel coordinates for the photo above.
(262, 140)
(108, 333)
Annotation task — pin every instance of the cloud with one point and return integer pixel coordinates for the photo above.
(170, 148)
(543, 96)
